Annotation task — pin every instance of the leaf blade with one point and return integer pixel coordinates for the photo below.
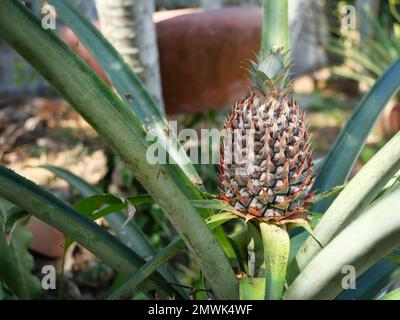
(355, 197)
(322, 277)
(337, 165)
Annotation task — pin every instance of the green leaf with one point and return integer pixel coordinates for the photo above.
(302, 223)
(226, 245)
(218, 219)
(120, 127)
(239, 240)
(322, 277)
(353, 75)
(276, 255)
(151, 266)
(128, 85)
(9, 217)
(361, 58)
(212, 204)
(394, 257)
(16, 264)
(252, 288)
(45, 206)
(392, 295)
(356, 196)
(73, 180)
(164, 256)
(324, 195)
(131, 235)
(390, 186)
(390, 44)
(341, 158)
(101, 205)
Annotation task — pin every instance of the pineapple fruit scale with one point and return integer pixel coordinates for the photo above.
(266, 168)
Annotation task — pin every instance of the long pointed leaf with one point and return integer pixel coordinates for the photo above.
(164, 256)
(131, 235)
(28, 196)
(151, 266)
(128, 85)
(337, 165)
(372, 236)
(356, 196)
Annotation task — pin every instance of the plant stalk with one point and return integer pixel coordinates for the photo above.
(275, 29)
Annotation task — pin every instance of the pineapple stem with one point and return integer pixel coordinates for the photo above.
(275, 31)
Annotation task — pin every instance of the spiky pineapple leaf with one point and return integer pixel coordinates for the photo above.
(341, 158)
(314, 199)
(239, 244)
(101, 205)
(356, 197)
(390, 186)
(125, 81)
(16, 262)
(176, 246)
(322, 277)
(45, 206)
(161, 258)
(131, 235)
(212, 204)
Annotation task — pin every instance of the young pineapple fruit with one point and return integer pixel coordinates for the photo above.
(266, 167)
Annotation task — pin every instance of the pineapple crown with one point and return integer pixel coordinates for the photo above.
(270, 74)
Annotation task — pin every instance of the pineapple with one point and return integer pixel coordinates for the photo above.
(274, 173)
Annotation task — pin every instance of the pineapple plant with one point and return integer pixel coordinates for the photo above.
(274, 178)
(268, 181)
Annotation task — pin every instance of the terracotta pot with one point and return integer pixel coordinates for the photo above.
(389, 123)
(46, 240)
(202, 55)
(70, 38)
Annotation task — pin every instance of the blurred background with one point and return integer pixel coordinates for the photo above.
(192, 56)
